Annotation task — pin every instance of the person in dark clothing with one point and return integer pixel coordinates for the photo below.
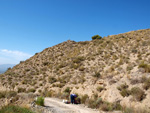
(72, 97)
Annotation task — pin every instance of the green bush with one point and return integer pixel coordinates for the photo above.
(138, 93)
(99, 88)
(96, 37)
(40, 101)
(14, 109)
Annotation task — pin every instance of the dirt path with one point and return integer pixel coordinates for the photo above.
(57, 106)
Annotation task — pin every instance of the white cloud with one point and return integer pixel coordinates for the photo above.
(15, 53)
(9, 56)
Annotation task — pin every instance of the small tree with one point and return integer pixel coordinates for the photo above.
(96, 37)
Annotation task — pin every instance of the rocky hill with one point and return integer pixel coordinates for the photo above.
(115, 68)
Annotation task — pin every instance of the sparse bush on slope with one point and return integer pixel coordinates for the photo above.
(146, 84)
(96, 37)
(137, 93)
(145, 66)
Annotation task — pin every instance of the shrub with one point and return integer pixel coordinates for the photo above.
(135, 81)
(81, 68)
(2, 94)
(123, 86)
(10, 94)
(67, 90)
(45, 63)
(84, 98)
(129, 68)
(106, 106)
(20, 90)
(133, 110)
(14, 109)
(96, 37)
(145, 66)
(75, 66)
(60, 85)
(98, 102)
(62, 65)
(117, 106)
(137, 93)
(40, 101)
(96, 74)
(128, 110)
(39, 90)
(91, 103)
(143, 79)
(99, 88)
(52, 80)
(112, 81)
(78, 59)
(27, 70)
(120, 62)
(31, 90)
(125, 92)
(146, 85)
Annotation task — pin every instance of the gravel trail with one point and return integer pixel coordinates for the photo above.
(54, 105)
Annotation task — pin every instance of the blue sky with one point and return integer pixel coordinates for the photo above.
(29, 26)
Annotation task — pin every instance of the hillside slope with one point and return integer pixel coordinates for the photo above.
(108, 68)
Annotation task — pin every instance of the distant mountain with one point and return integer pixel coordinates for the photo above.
(4, 67)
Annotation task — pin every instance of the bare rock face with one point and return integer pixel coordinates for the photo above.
(111, 94)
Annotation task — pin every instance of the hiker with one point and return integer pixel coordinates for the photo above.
(72, 97)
